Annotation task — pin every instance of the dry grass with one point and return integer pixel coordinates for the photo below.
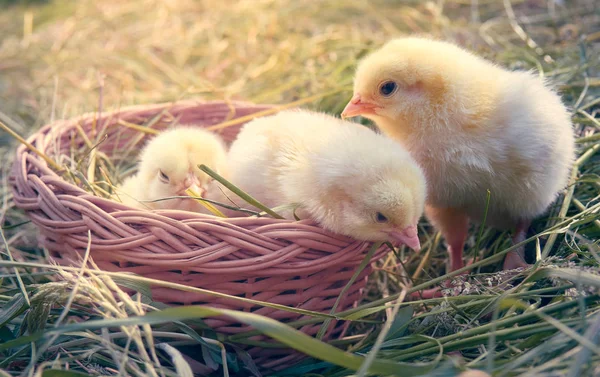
(62, 58)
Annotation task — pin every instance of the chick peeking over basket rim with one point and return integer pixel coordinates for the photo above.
(342, 175)
(168, 169)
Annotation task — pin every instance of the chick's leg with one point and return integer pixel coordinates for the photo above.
(516, 258)
(454, 225)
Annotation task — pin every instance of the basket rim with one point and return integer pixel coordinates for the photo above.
(108, 114)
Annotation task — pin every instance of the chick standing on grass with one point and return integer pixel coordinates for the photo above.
(169, 167)
(346, 177)
(472, 126)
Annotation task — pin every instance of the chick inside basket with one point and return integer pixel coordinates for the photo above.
(293, 165)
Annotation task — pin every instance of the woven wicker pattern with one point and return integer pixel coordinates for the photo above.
(291, 263)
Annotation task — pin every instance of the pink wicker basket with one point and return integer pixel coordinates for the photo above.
(285, 262)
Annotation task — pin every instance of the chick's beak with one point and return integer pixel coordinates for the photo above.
(196, 190)
(408, 236)
(192, 185)
(358, 106)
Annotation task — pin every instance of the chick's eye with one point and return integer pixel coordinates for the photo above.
(388, 88)
(380, 218)
(163, 177)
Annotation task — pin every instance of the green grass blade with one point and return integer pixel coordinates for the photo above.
(371, 357)
(13, 308)
(570, 274)
(63, 373)
(18, 275)
(239, 192)
(482, 226)
(366, 260)
(131, 283)
(278, 331)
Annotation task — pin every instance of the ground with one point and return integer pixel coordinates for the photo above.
(59, 59)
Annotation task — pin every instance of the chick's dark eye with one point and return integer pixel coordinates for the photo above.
(163, 176)
(380, 217)
(387, 88)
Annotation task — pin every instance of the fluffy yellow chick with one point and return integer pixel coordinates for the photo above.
(169, 166)
(344, 176)
(472, 126)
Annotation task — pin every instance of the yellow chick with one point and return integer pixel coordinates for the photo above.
(472, 126)
(169, 167)
(344, 176)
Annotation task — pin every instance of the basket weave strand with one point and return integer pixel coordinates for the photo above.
(297, 264)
